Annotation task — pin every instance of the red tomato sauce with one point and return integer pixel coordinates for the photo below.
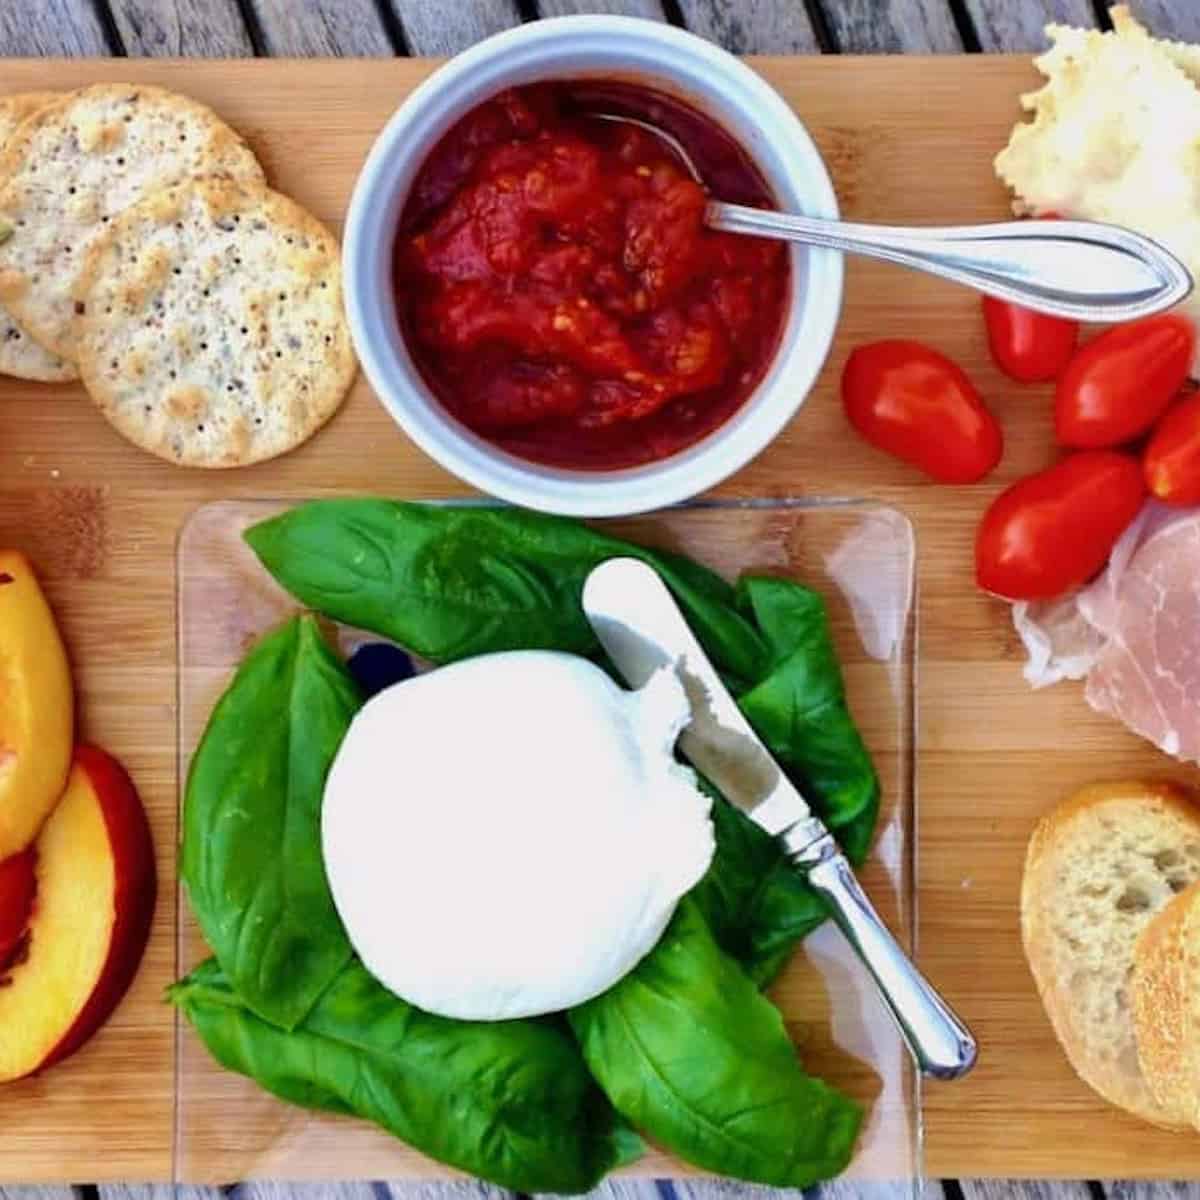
(559, 291)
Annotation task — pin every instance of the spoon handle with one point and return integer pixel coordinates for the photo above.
(1076, 269)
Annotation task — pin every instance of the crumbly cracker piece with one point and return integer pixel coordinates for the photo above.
(1115, 137)
(71, 168)
(20, 355)
(213, 332)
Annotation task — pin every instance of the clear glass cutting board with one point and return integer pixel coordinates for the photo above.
(861, 556)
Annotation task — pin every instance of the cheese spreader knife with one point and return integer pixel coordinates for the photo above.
(639, 624)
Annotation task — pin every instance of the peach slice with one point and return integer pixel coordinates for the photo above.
(89, 922)
(18, 884)
(36, 706)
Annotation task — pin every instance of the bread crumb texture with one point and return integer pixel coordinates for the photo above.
(1099, 869)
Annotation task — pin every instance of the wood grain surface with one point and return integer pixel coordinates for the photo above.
(318, 28)
(100, 520)
(174, 28)
(893, 26)
(235, 28)
(1003, 25)
(1169, 18)
(650, 9)
(71, 27)
(434, 27)
(753, 26)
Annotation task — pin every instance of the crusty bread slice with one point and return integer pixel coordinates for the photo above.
(1099, 869)
(1166, 1005)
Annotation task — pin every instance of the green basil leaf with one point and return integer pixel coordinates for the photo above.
(509, 1101)
(450, 582)
(799, 710)
(690, 1051)
(251, 856)
(757, 904)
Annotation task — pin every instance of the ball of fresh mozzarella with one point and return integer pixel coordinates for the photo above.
(509, 835)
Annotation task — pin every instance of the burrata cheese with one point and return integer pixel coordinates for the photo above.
(510, 835)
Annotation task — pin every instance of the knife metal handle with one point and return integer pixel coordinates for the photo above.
(941, 1044)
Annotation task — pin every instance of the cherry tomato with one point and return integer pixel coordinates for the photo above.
(1120, 383)
(1028, 346)
(1172, 458)
(1053, 531)
(915, 403)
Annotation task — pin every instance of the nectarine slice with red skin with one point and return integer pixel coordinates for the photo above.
(90, 921)
(18, 886)
(37, 706)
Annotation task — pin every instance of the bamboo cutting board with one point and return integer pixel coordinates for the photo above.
(907, 140)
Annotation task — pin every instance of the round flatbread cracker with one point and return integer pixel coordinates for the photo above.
(213, 332)
(23, 358)
(72, 167)
(20, 355)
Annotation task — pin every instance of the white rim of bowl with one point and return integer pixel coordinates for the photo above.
(486, 466)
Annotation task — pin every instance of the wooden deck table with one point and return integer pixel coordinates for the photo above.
(312, 28)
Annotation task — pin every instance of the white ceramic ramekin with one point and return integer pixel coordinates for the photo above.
(570, 47)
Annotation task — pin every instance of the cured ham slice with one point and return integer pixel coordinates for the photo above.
(1148, 674)
(1134, 633)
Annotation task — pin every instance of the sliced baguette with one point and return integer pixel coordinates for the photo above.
(1099, 869)
(1166, 1005)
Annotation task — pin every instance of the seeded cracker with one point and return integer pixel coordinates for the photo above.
(213, 332)
(20, 355)
(71, 168)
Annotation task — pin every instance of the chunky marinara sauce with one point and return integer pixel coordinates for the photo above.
(559, 290)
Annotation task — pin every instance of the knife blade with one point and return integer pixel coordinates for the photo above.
(640, 626)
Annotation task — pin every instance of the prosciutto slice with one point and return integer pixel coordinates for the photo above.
(1134, 633)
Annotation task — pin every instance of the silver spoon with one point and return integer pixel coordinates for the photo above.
(1077, 269)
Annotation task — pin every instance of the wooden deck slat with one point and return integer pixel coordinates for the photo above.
(753, 26)
(182, 28)
(1024, 1189)
(450, 1189)
(159, 1191)
(314, 28)
(40, 28)
(435, 27)
(892, 26)
(1003, 25)
(1146, 1189)
(38, 1193)
(1170, 19)
(723, 1189)
(271, 1190)
(633, 1189)
(652, 9)
(868, 1189)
